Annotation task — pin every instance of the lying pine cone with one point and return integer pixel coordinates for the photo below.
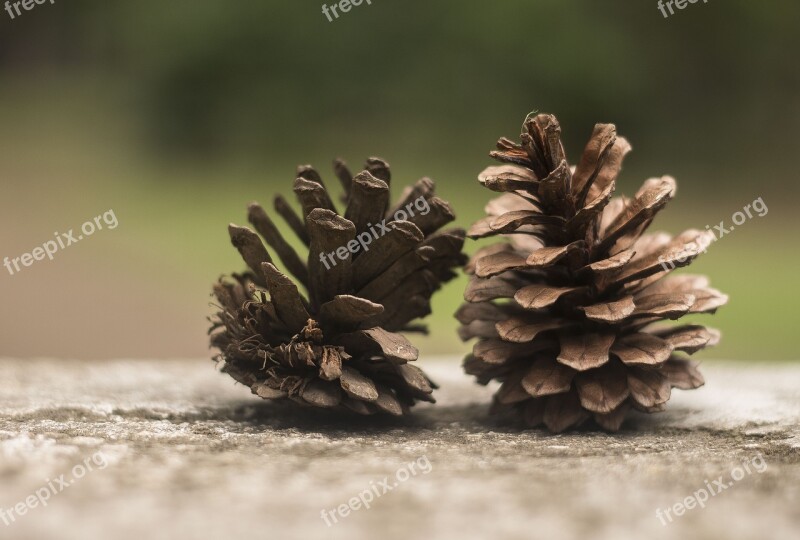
(368, 275)
(564, 312)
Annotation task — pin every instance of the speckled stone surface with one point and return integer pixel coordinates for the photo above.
(180, 452)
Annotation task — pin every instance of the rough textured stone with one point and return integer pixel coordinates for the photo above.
(190, 455)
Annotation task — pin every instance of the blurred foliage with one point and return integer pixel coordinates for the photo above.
(177, 114)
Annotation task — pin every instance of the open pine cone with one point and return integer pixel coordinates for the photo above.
(564, 313)
(368, 275)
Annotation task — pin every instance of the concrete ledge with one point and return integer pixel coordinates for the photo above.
(191, 455)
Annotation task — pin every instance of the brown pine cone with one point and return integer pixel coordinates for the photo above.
(565, 313)
(369, 275)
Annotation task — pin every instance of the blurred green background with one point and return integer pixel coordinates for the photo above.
(176, 114)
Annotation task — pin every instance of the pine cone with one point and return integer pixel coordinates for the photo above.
(368, 275)
(564, 313)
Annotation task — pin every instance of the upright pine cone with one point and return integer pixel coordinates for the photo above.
(564, 312)
(368, 275)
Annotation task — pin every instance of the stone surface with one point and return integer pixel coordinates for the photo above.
(181, 452)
